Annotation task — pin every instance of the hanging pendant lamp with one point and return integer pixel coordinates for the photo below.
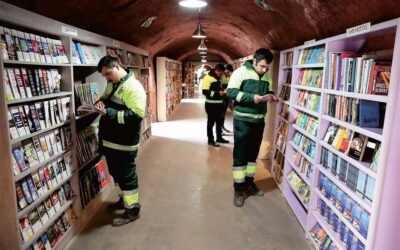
(202, 46)
(203, 52)
(199, 32)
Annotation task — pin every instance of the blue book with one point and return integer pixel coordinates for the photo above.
(332, 199)
(319, 204)
(362, 179)
(356, 216)
(369, 189)
(360, 245)
(338, 203)
(32, 188)
(321, 181)
(368, 114)
(328, 188)
(349, 241)
(80, 51)
(364, 223)
(25, 190)
(348, 205)
(342, 231)
(327, 214)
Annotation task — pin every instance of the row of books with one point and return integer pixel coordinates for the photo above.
(280, 142)
(87, 92)
(87, 143)
(33, 151)
(144, 80)
(310, 78)
(277, 173)
(86, 54)
(355, 179)
(133, 59)
(303, 165)
(351, 211)
(35, 186)
(300, 187)
(144, 62)
(283, 128)
(363, 113)
(54, 232)
(171, 66)
(116, 53)
(287, 76)
(352, 72)
(322, 239)
(355, 145)
(284, 112)
(284, 94)
(26, 119)
(28, 47)
(309, 100)
(311, 55)
(23, 83)
(307, 145)
(288, 58)
(307, 123)
(93, 181)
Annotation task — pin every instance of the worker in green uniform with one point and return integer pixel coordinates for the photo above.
(214, 104)
(225, 80)
(123, 104)
(250, 87)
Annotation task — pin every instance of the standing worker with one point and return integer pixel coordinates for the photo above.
(250, 87)
(123, 104)
(225, 80)
(214, 105)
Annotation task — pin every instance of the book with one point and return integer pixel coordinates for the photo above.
(43, 180)
(20, 83)
(7, 84)
(30, 152)
(371, 147)
(58, 143)
(53, 50)
(3, 44)
(25, 227)
(65, 221)
(35, 221)
(103, 174)
(382, 78)
(12, 55)
(35, 47)
(47, 117)
(45, 149)
(52, 174)
(32, 188)
(49, 144)
(41, 49)
(56, 80)
(25, 190)
(45, 239)
(49, 207)
(55, 201)
(369, 116)
(53, 142)
(44, 217)
(49, 182)
(11, 124)
(24, 118)
(17, 45)
(30, 47)
(20, 159)
(357, 146)
(46, 50)
(38, 183)
(370, 188)
(21, 201)
(14, 84)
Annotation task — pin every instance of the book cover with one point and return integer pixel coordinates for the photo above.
(344, 201)
(44, 147)
(49, 144)
(103, 174)
(17, 45)
(52, 233)
(40, 82)
(65, 221)
(370, 149)
(68, 162)
(68, 191)
(352, 177)
(23, 75)
(32, 188)
(347, 213)
(40, 113)
(29, 117)
(49, 182)
(49, 207)
(20, 83)
(361, 182)
(13, 82)
(57, 136)
(55, 201)
(21, 201)
(12, 55)
(35, 221)
(32, 82)
(15, 166)
(338, 199)
(24, 118)
(41, 49)
(46, 50)
(53, 50)
(343, 171)
(364, 223)
(43, 180)
(52, 174)
(56, 80)
(375, 161)
(11, 124)
(382, 78)
(357, 146)
(61, 52)
(35, 117)
(7, 85)
(370, 188)
(20, 158)
(62, 167)
(52, 113)
(60, 110)
(369, 114)
(25, 190)
(60, 226)
(45, 240)
(44, 79)
(57, 171)
(46, 107)
(44, 217)
(53, 142)
(35, 47)
(30, 152)
(25, 227)
(3, 45)
(61, 197)
(30, 47)
(38, 183)
(334, 191)
(356, 216)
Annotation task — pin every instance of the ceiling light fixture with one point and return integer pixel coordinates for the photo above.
(193, 3)
(199, 32)
(148, 22)
(203, 60)
(203, 52)
(202, 46)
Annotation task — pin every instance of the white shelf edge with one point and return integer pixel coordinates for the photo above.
(313, 89)
(370, 97)
(341, 217)
(306, 110)
(39, 97)
(302, 176)
(344, 188)
(51, 221)
(36, 63)
(297, 194)
(355, 128)
(301, 152)
(310, 65)
(350, 160)
(307, 134)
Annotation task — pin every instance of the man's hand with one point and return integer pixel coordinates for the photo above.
(100, 105)
(270, 98)
(258, 98)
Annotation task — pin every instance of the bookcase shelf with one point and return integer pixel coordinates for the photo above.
(300, 199)
(297, 86)
(375, 133)
(286, 67)
(85, 115)
(19, 139)
(97, 155)
(375, 98)
(307, 134)
(341, 217)
(362, 166)
(35, 168)
(313, 65)
(277, 148)
(321, 221)
(302, 175)
(12, 17)
(42, 198)
(51, 221)
(301, 152)
(36, 63)
(305, 110)
(283, 119)
(40, 98)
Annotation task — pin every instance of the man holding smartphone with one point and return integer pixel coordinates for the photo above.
(250, 87)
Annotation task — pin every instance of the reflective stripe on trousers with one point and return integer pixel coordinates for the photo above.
(130, 197)
(239, 174)
(250, 169)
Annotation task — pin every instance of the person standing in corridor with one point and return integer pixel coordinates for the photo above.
(250, 87)
(123, 104)
(225, 80)
(214, 104)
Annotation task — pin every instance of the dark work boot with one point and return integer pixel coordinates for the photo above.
(130, 215)
(213, 143)
(119, 205)
(222, 140)
(252, 189)
(238, 199)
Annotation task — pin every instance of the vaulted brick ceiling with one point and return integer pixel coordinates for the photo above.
(234, 28)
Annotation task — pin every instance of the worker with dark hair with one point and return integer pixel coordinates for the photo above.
(123, 104)
(225, 80)
(214, 105)
(250, 86)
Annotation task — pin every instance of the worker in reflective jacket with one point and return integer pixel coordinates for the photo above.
(214, 104)
(124, 103)
(225, 80)
(250, 86)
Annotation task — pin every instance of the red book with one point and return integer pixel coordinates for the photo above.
(103, 174)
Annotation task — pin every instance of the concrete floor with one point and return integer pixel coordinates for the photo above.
(187, 198)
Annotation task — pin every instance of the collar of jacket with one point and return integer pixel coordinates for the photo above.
(123, 79)
(249, 66)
